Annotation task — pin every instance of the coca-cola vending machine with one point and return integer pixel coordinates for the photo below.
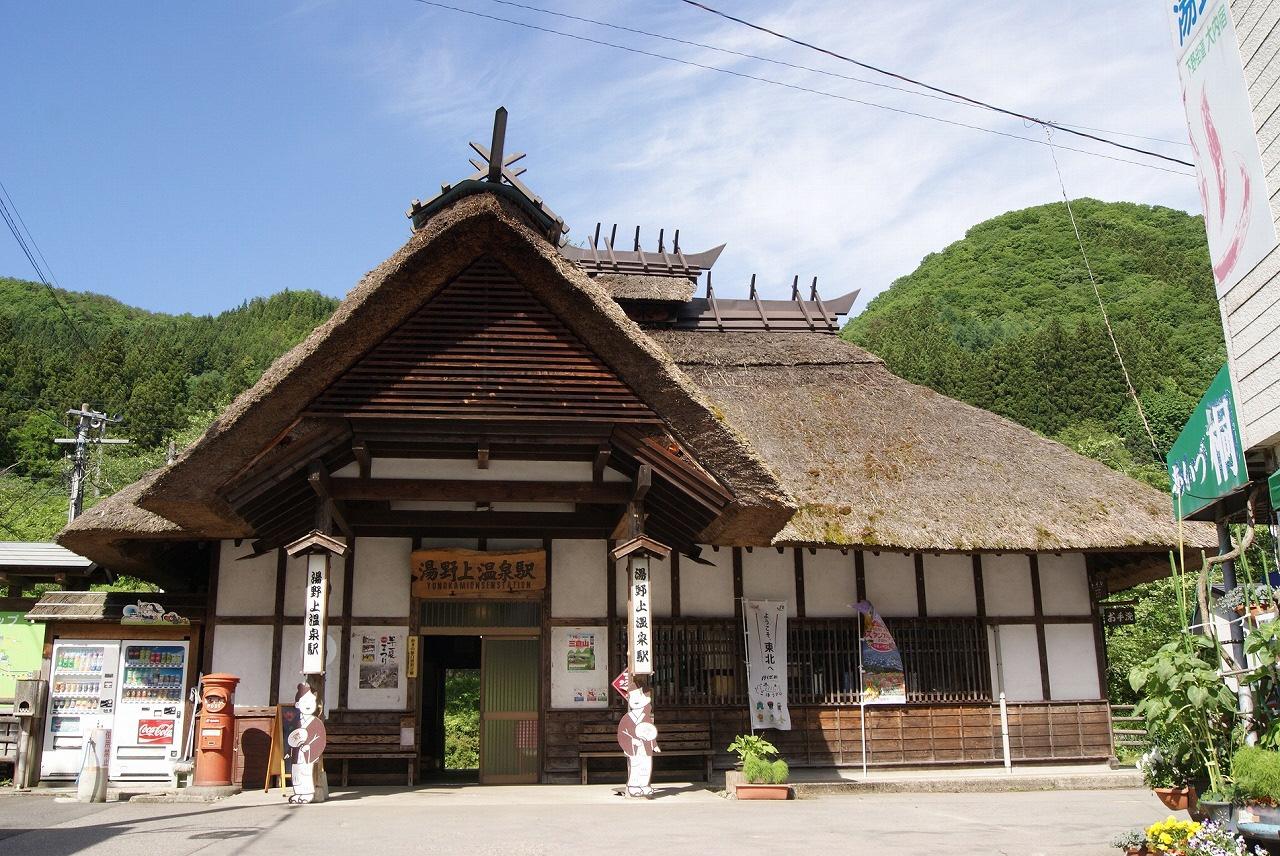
(82, 697)
(149, 710)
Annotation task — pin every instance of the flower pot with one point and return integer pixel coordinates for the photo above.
(747, 791)
(1174, 799)
(1220, 813)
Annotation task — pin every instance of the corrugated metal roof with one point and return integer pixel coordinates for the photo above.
(109, 606)
(30, 557)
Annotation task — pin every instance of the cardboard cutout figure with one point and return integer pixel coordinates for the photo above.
(306, 745)
(638, 737)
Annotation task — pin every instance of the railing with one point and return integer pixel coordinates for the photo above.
(1128, 729)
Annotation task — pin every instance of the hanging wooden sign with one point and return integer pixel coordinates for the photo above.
(472, 573)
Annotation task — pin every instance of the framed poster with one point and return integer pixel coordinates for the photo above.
(376, 675)
(21, 650)
(579, 667)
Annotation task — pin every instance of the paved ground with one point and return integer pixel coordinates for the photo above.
(558, 819)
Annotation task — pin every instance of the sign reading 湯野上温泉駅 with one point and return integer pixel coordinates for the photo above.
(445, 573)
(1207, 460)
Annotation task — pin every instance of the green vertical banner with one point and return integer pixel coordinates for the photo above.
(1207, 460)
(1273, 485)
(21, 650)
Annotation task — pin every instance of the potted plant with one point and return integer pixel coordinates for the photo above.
(1256, 774)
(1168, 781)
(1170, 836)
(1253, 598)
(764, 776)
(1133, 843)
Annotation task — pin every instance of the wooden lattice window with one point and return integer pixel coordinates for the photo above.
(700, 662)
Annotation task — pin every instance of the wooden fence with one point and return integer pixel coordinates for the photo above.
(1128, 729)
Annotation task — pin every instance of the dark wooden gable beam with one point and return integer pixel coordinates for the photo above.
(321, 482)
(466, 490)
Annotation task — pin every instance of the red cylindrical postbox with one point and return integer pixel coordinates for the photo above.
(216, 735)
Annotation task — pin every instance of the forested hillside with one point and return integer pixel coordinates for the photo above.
(1007, 320)
(163, 375)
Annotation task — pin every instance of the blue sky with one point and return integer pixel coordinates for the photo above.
(186, 157)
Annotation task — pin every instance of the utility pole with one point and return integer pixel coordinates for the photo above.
(89, 420)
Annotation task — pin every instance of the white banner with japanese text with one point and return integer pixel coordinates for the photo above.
(766, 622)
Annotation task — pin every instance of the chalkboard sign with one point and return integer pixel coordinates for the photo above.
(278, 761)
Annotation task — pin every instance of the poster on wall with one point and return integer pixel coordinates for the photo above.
(376, 677)
(579, 667)
(1233, 189)
(21, 648)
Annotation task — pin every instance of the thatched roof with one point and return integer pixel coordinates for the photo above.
(875, 461)
(479, 226)
(818, 443)
(110, 606)
(668, 289)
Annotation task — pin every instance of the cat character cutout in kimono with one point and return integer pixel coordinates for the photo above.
(306, 745)
(638, 737)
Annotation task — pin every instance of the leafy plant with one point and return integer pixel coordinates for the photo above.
(1256, 774)
(1130, 839)
(751, 745)
(1241, 597)
(762, 771)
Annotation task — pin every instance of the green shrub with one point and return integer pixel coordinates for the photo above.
(757, 770)
(1257, 773)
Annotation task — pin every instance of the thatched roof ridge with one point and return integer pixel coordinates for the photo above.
(477, 226)
(627, 286)
(876, 461)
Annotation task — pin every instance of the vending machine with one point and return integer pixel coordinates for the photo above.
(82, 697)
(149, 710)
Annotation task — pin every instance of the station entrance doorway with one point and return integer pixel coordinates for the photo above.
(480, 688)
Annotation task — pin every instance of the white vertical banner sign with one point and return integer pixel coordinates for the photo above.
(640, 635)
(314, 618)
(766, 622)
(1233, 188)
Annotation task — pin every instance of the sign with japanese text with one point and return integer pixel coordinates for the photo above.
(472, 573)
(379, 661)
(883, 678)
(767, 664)
(1207, 460)
(313, 617)
(640, 625)
(1118, 616)
(579, 667)
(21, 650)
(1233, 190)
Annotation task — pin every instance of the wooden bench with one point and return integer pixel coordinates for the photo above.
(674, 739)
(368, 742)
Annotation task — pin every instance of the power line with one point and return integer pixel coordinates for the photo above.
(950, 99)
(812, 91)
(33, 405)
(9, 212)
(939, 90)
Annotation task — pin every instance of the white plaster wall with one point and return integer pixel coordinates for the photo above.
(1006, 584)
(291, 663)
(578, 579)
(295, 581)
(1064, 584)
(830, 583)
(437, 468)
(1073, 661)
(769, 575)
(891, 584)
(381, 578)
(948, 585)
(245, 586)
(245, 651)
(450, 544)
(500, 544)
(1021, 657)
(706, 591)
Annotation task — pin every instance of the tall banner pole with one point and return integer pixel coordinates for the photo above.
(746, 650)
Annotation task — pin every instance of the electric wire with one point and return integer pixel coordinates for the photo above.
(1106, 320)
(9, 212)
(35, 406)
(939, 90)
(950, 99)
(818, 92)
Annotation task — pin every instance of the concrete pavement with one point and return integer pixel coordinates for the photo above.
(684, 818)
